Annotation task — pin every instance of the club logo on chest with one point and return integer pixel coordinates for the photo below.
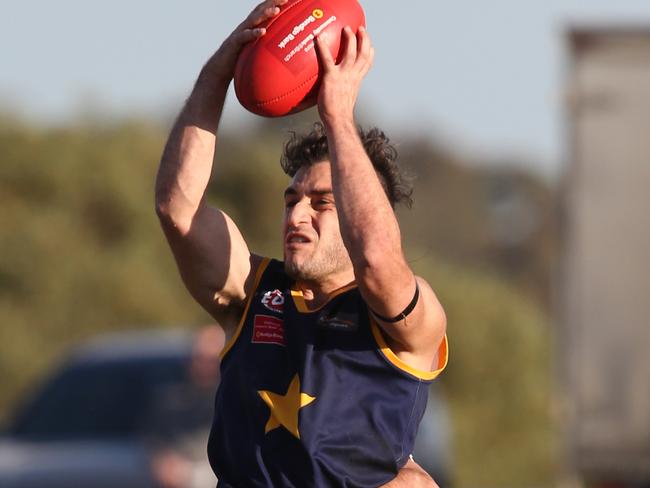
(274, 300)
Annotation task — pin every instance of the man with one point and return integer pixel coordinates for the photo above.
(326, 355)
(180, 423)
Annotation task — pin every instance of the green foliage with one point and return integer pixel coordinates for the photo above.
(81, 252)
(497, 380)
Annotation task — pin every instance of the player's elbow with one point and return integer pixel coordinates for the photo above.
(162, 210)
(166, 217)
(173, 220)
(379, 253)
(378, 267)
(162, 203)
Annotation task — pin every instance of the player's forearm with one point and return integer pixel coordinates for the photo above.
(186, 163)
(368, 225)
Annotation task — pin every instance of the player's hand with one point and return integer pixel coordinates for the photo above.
(412, 476)
(223, 62)
(340, 83)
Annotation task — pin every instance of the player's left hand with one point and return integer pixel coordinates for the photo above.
(222, 64)
(340, 83)
(412, 476)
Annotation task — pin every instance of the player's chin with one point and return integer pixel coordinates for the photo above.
(290, 258)
(296, 252)
(296, 260)
(292, 268)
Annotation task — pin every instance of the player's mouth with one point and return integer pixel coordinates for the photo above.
(296, 240)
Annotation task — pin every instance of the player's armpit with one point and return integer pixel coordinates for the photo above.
(213, 259)
(412, 476)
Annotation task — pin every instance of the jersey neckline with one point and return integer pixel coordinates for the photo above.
(301, 304)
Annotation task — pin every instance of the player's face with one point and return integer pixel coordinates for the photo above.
(313, 246)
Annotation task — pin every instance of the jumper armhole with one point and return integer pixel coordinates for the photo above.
(443, 356)
(258, 276)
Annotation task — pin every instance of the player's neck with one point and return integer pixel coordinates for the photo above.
(317, 292)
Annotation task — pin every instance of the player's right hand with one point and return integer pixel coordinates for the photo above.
(225, 59)
(340, 83)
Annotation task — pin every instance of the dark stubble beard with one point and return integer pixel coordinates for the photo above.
(321, 263)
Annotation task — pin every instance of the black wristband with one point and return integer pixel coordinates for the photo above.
(401, 316)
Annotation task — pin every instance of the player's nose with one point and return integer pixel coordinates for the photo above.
(298, 215)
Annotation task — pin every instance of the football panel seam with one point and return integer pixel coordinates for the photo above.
(285, 95)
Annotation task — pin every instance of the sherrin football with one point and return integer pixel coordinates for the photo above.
(278, 74)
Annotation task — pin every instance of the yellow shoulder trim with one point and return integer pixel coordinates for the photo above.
(258, 276)
(299, 301)
(443, 356)
(301, 305)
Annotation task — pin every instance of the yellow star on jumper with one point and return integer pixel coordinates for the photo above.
(284, 408)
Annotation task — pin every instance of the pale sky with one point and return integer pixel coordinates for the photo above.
(483, 77)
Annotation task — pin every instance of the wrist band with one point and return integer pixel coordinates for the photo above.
(404, 313)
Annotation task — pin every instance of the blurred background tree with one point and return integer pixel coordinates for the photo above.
(81, 253)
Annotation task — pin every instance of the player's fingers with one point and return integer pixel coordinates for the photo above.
(323, 52)
(263, 12)
(266, 4)
(363, 45)
(266, 11)
(366, 67)
(350, 40)
(248, 35)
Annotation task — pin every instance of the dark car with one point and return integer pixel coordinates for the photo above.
(122, 411)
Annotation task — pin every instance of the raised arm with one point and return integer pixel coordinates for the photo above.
(211, 254)
(368, 224)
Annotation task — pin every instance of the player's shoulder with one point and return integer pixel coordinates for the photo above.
(264, 269)
(426, 291)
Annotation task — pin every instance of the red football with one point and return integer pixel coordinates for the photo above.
(278, 73)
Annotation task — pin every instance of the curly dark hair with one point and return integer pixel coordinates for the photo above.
(306, 149)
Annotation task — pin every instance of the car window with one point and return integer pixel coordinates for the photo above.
(102, 400)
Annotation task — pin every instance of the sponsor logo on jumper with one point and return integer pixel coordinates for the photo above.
(268, 330)
(338, 324)
(338, 321)
(274, 300)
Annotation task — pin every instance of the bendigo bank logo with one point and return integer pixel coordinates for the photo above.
(274, 300)
(298, 29)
